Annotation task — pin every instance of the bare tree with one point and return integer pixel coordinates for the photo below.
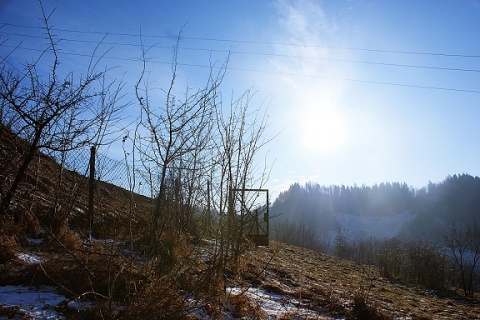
(54, 112)
(463, 243)
(173, 139)
(238, 140)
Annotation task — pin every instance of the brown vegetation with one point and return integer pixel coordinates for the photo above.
(340, 287)
(106, 272)
(182, 254)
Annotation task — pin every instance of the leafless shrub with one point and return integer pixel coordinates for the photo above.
(415, 262)
(463, 244)
(425, 265)
(196, 150)
(300, 235)
(158, 300)
(56, 112)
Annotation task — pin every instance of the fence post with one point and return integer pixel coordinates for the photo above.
(209, 210)
(91, 189)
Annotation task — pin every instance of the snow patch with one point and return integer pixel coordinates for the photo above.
(277, 306)
(36, 242)
(29, 258)
(37, 302)
(32, 303)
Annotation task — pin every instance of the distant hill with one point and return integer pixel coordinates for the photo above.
(381, 211)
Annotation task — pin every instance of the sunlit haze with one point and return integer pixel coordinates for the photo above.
(356, 92)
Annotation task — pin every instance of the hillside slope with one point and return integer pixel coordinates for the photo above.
(276, 282)
(331, 287)
(47, 275)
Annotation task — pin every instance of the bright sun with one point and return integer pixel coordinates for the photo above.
(322, 130)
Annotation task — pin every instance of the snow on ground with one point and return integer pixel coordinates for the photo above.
(278, 306)
(36, 242)
(35, 302)
(29, 258)
(31, 303)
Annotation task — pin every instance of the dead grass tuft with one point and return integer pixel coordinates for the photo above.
(158, 300)
(243, 308)
(67, 238)
(8, 247)
(362, 310)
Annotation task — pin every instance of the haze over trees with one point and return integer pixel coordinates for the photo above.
(433, 228)
(457, 198)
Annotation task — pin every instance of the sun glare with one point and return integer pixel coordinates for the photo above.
(322, 130)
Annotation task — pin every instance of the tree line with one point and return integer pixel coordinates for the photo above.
(440, 247)
(456, 198)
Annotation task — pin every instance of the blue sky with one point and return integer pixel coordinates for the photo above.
(357, 91)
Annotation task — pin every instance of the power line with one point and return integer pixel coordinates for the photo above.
(82, 55)
(233, 41)
(400, 65)
(363, 81)
(267, 72)
(274, 72)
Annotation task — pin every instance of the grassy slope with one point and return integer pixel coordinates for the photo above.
(332, 284)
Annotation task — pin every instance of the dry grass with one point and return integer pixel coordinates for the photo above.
(340, 287)
(243, 308)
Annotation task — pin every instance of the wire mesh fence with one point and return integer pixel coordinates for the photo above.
(120, 173)
(125, 175)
